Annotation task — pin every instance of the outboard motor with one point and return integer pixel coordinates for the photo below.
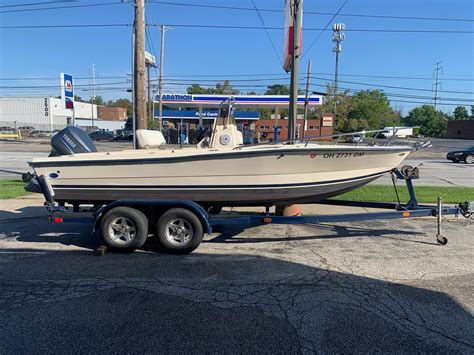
(71, 140)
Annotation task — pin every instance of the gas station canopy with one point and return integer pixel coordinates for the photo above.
(274, 101)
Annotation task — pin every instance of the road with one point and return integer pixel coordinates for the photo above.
(435, 170)
(354, 287)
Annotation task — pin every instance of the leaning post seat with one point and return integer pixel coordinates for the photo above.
(149, 139)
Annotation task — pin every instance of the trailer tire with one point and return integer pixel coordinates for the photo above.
(124, 228)
(179, 231)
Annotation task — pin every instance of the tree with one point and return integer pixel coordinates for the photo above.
(198, 89)
(371, 109)
(124, 103)
(432, 123)
(221, 89)
(98, 100)
(343, 107)
(226, 89)
(460, 113)
(278, 89)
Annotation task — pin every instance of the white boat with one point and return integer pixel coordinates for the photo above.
(219, 171)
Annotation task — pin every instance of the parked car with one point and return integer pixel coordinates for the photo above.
(466, 155)
(41, 134)
(127, 137)
(102, 136)
(356, 138)
(26, 128)
(6, 129)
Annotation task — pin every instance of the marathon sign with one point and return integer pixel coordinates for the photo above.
(174, 97)
(67, 91)
(188, 100)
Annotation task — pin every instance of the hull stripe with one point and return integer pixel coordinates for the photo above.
(295, 185)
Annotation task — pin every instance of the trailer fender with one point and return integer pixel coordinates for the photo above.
(197, 209)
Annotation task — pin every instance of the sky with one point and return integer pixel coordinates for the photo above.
(32, 58)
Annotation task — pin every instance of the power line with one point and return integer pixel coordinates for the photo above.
(312, 12)
(394, 87)
(266, 31)
(196, 79)
(412, 77)
(36, 3)
(61, 7)
(324, 29)
(206, 84)
(235, 27)
(67, 26)
(319, 29)
(57, 86)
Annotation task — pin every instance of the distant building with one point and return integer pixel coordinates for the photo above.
(265, 128)
(461, 129)
(48, 114)
(111, 113)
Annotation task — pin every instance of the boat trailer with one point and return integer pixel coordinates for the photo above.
(180, 224)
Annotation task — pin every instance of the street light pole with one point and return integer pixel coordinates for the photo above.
(160, 81)
(306, 99)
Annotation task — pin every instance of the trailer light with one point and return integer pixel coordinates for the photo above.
(267, 220)
(57, 220)
(406, 214)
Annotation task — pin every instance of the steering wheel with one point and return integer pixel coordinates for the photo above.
(201, 135)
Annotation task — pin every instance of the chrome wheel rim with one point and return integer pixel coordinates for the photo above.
(469, 159)
(179, 231)
(122, 230)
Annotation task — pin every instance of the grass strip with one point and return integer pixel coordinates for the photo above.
(424, 194)
(12, 188)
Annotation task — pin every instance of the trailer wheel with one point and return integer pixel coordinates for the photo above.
(124, 228)
(179, 230)
(442, 240)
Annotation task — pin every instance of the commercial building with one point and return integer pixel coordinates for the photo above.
(463, 129)
(48, 114)
(315, 127)
(111, 113)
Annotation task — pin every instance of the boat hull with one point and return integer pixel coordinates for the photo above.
(237, 178)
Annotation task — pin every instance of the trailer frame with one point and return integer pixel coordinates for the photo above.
(154, 209)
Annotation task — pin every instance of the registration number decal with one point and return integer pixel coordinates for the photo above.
(343, 155)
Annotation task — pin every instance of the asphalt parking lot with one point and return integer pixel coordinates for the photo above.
(383, 286)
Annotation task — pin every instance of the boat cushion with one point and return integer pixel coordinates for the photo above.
(149, 139)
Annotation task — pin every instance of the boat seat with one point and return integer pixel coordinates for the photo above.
(147, 139)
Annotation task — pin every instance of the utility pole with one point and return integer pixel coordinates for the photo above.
(93, 93)
(160, 81)
(338, 36)
(139, 67)
(295, 60)
(437, 83)
(306, 99)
